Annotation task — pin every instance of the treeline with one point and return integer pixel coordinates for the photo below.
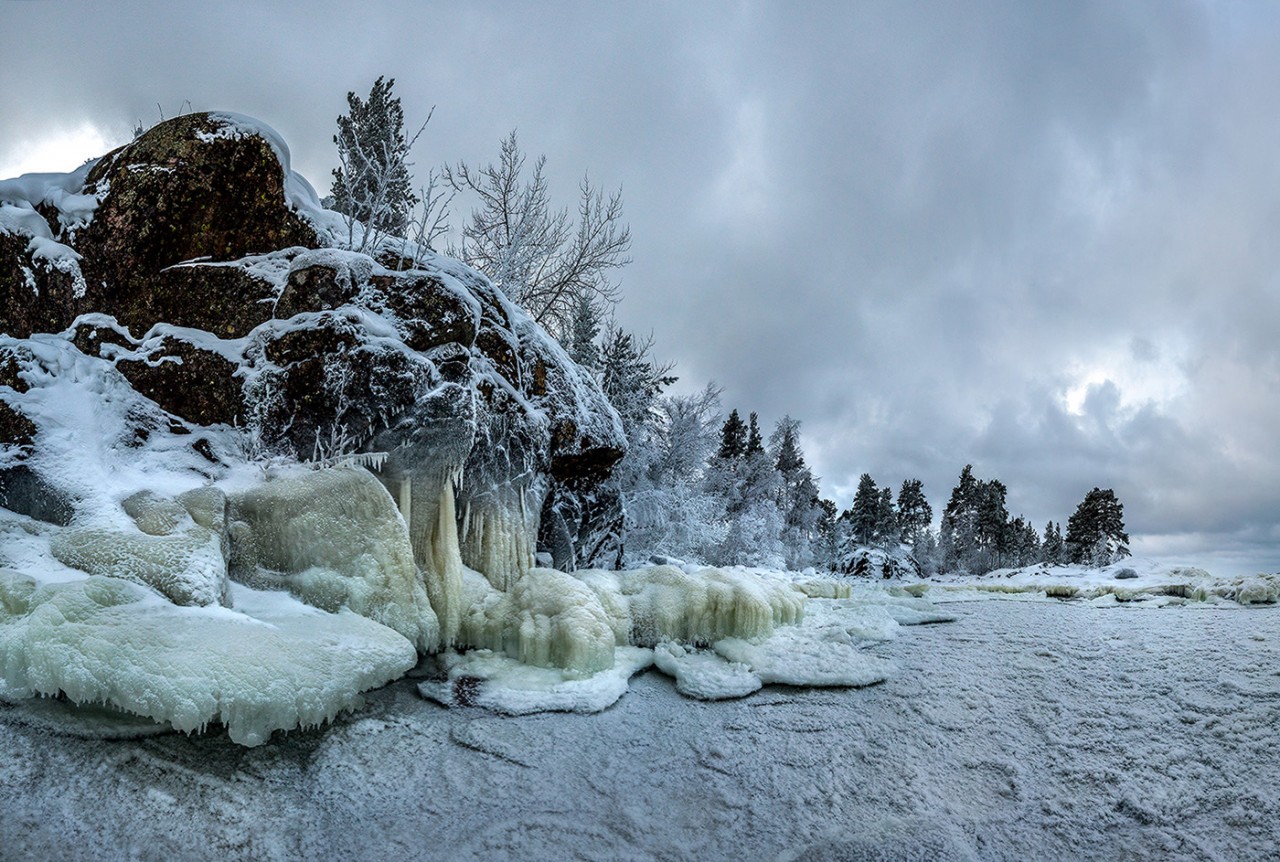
(976, 533)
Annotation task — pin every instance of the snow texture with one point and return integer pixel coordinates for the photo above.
(276, 665)
(1024, 730)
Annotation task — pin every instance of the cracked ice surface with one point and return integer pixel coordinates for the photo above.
(1024, 730)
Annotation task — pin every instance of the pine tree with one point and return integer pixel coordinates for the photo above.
(733, 438)
(914, 513)
(1095, 532)
(372, 185)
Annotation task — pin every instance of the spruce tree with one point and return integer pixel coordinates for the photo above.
(755, 443)
(864, 514)
(733, 438)
(372, 185)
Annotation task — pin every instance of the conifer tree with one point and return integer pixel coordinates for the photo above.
(1095, 532)
(733, 438)
(914, 513)
(372, 183)
(755, 443)
(865, 512)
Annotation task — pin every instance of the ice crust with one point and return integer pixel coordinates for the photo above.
(502, 684)
(107, 641)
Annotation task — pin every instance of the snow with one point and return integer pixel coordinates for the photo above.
(502, 684)
(276, 665)
(1024, 730)
(1146, 582)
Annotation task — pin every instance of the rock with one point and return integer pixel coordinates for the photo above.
(189, 188)
(187, 380)
(1126, 575)
(24, 491)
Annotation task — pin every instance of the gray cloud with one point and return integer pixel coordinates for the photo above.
(1033, 237)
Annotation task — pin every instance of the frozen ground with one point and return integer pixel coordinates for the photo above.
(1025, 730)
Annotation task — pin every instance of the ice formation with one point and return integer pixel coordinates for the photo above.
(333, 538)
(503, 684)
(169, 554)
(105, 640)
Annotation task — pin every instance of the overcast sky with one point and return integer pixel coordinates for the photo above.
(1036, 237)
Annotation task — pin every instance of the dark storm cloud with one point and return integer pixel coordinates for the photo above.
(1035, 237)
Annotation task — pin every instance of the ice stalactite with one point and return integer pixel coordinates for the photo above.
(499, 529)
(433, 532)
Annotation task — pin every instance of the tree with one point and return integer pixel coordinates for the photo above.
(886, 530)
(733, 438)
(797, 493)
(1095, 532)
(914, 512)
(864, 514)
(755, 443)
(959, 536)
(1051, 547)
(584, 330)
(372, 184)
(538, 256)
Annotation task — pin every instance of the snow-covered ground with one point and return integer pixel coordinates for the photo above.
(1147, 581)
(1023, 730)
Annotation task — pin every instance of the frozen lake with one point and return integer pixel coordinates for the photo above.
(1023, 730)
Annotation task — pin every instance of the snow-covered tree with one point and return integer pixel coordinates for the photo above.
(1052, 550)
(372, 184)
(584, 330)
(1095, 532)
(864, 514)
(914, 512)
(543, 259)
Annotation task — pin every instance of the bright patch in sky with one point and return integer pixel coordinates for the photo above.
(1142, 373)
(59, 150)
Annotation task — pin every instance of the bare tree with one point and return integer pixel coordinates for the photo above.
(540, 257)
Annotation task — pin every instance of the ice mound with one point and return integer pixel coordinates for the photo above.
(275, 665)
(188, 569)
(574, 621)
(704, 674)
(548, 619)
(502, 684)
(1134, 582)
(664, 603)
(333, 537)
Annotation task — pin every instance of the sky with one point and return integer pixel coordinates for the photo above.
(1038, 238)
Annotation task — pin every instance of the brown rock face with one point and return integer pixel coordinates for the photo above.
(186, 189)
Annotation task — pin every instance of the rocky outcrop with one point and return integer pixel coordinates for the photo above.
(191, 260)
